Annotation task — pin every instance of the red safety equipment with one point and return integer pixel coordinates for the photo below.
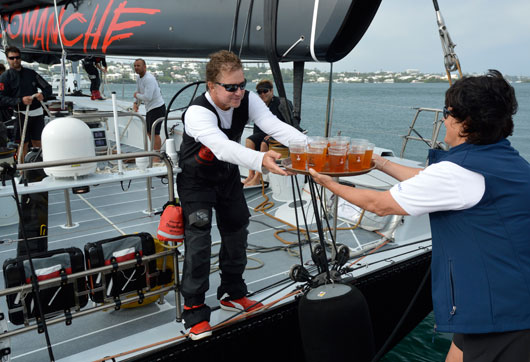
(171, 226)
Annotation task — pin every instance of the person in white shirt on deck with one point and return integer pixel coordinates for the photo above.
(209, 157)
(148, 92)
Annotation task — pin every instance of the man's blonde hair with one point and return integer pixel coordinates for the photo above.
(222, 60)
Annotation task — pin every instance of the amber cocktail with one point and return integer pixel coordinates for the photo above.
(368, 152)
(356, 156)
(316, 156)
(298, 149)
(337, 158)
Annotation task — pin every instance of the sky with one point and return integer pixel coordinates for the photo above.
(489, 34)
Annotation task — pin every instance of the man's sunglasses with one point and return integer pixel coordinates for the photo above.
(263, 91)
(233, 87)
(16, 57)
(447, 112)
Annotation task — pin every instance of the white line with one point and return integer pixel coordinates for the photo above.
(132, 320)
(113, 204)
(100, 214)
(94, 332)
(313, 30)
(59, 193)
(118, 194)
(84, 235)
(86, 221)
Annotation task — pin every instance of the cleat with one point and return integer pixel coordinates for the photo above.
(239, 305)
(200, 330)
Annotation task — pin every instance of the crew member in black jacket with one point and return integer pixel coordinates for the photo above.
(5, 116)
(19, 87)
(92, 65)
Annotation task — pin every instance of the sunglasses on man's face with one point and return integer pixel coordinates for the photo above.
(233, 87)
(263, 91)
(446, 112)
(16, 57)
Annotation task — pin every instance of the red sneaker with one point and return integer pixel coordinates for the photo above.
(241, 304)
(200, 330)
(96, 95)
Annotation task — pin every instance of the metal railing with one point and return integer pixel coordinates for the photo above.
(59, 280)
(431, 142)
(126, 298)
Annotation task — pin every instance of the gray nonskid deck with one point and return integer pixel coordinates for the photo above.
(132, 327)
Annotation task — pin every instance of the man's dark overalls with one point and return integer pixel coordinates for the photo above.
(89, 65)
(206, 183)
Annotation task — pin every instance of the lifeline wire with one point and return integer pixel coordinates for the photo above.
(63, 56)
(246, 26)
(34, 280)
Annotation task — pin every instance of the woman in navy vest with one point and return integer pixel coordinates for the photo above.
(477, 196)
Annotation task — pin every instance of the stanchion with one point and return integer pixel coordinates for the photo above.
(117, 132)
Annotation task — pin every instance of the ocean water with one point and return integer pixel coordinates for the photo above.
(382, 113)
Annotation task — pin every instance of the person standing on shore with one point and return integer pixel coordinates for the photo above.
(148, 92)
(477, 196)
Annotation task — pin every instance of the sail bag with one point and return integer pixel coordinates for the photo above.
(109, 285)
(62, 296)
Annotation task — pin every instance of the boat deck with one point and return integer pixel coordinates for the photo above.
(110, 210)
(117, 205)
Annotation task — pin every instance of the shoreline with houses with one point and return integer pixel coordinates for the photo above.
(172, 71)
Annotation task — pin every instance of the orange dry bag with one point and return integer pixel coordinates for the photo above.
(171, 226)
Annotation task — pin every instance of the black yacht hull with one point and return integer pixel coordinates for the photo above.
(274, 335)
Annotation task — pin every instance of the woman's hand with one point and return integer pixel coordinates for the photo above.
(319, 178)
(379, 161)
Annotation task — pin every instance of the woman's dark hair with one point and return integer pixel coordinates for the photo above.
(484, 105)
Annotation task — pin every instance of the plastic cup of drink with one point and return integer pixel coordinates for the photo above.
(358, 140)
(368, 152)
(316, 156)
(356, 156)
(317, 139)
(297, 150)
(337, 158)
(339, 140)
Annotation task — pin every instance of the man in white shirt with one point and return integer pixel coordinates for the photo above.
(148, 92)
(209, 157)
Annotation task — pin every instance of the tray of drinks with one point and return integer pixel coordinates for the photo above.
(327, 169)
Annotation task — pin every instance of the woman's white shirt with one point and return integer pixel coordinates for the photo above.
(439, 187)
